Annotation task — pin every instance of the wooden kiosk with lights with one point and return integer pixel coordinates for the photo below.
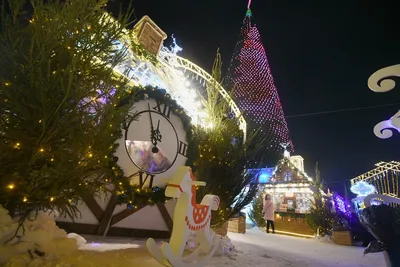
(290, 189)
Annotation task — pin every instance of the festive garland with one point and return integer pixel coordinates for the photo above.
(133, 195)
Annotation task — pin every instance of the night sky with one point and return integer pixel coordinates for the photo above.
(321, 57)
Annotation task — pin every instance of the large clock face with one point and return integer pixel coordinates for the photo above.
(154, 143)
(151, 140)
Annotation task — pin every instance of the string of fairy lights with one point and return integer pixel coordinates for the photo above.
(385, 178)
(255, 92)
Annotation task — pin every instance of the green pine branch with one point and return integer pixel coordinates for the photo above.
(256, 211)
(223, 156)
(320, 218)
(58, 94)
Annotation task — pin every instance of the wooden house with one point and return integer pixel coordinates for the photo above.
(292, 193)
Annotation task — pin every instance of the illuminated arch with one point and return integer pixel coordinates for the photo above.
(176, 61)
(171, 77)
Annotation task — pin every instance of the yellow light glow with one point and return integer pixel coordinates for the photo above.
(90, 155)
(51, 199)
(51, 159)
(24, 199)
(41, 150)
(295, 234)
(10, 186)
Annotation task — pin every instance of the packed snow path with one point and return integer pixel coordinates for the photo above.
(254, 248)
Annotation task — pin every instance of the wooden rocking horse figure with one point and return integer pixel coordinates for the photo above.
(188, 217)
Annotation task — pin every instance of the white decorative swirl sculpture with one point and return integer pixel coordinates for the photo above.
(384, 129)
(381, 81)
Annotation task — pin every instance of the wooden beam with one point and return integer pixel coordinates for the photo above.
(123, 214)
(138, 233)
(164, 213)
(93, 206)
(81, 228)
(105, 219)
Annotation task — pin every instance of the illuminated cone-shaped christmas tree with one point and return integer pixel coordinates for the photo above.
(254, 90)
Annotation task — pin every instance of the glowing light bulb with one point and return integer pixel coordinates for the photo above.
(255, 91)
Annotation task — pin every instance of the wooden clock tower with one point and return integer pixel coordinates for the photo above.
(149, 35)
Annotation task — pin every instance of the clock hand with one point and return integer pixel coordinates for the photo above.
(157, 132)
(152, 132)
(151, 120)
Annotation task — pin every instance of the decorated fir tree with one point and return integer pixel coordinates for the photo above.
(321, 218)
(222, 158)
(256, 211)
(255, 93)
(58, 94)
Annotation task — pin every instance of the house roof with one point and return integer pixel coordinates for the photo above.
(286, 160)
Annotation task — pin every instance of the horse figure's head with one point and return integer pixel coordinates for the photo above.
(182, 181)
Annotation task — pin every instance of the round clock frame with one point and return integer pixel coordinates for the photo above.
(175, 136)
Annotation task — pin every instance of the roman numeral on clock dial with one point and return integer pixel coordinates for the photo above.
(162, 109)
(143, 179)
(183, 147)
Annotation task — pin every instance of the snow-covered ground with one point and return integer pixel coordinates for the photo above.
(44, 244)
(255, 248)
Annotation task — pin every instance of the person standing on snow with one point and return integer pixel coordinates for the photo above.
(268, 212)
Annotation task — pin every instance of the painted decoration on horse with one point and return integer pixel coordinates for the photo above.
(189, 217)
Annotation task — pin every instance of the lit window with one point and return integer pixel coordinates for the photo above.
(287, 176)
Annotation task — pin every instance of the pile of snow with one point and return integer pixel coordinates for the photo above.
(323, 239)
(225, 246)
(37, 238)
